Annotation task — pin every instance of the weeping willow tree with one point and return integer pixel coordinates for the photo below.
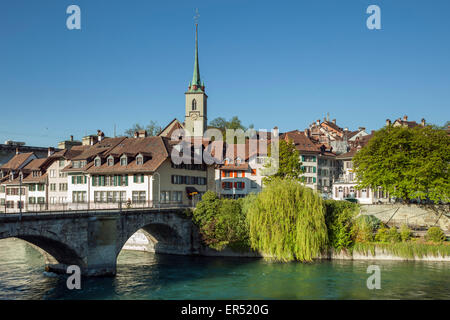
(287, 222)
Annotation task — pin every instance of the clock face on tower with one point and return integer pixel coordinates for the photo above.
(194, 116)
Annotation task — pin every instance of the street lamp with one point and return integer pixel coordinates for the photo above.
(159, 189)
(20, 193)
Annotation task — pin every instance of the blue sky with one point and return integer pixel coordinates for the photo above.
(284, 63)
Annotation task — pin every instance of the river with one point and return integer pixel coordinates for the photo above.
(142, 275)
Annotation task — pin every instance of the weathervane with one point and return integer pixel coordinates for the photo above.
(197, 15)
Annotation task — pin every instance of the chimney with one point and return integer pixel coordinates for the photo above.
(51, 151)
(345, 129)
(17, 150)
(140, 134)
(100, 135)
(334, 121)
(307, 132)
(423, 122)
(71, 138)
(405, 118)
(318, 122)
(362, 128)
(388, 122)
(275, 132)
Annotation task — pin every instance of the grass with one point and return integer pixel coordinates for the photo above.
(409, 250)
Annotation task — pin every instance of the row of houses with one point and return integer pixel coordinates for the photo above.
(111, 172)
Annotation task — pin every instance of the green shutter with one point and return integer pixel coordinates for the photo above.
(85, 179)
(126, 180)
(135, 178)
(115, 180)
(314, 169)
(303, 158)
(314, 180)
(73, 179)
(142, 178)
(93, 181)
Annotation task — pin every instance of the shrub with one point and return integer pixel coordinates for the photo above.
(382, 234)
(405, 233)
(362, 229)
(435, 234)
(221, 222)
(394, 235)
(287, 221)
(338, 218)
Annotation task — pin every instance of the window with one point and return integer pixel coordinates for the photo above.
(110, 161)
(227, 185)
(41, 187)
(176, 196)
(63, 187)
(52, 186)
(165, 196)
(77, 197)
(41, 200)
(194, 104)
(79, 179)
(32, 187)
(62, 162)
(239, 185)
(52, 173)
(139, 196)
(123, 161)
(138, 178)
(139, 160)
(97, 162)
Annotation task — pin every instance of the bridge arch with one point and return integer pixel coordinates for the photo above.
(171, 233)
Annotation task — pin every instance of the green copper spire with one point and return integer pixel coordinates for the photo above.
(196, 84)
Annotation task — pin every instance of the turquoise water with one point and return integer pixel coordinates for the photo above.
(142, 275)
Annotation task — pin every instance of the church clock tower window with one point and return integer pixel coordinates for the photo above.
(194, 104)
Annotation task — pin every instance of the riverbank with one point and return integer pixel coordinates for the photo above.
(369, 251)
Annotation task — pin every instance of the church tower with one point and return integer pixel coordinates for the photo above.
(195, 122)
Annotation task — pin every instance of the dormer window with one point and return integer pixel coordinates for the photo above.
(76, 164)
(139, 160)
(83, 163)
(227, 161)
(110, 161)
(238, 161)
(97, 162)
(123, 160)
(36, 173)
(194, 104)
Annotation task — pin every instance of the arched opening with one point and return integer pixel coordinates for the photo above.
(52, 251)
(157, 238)
(194, 104)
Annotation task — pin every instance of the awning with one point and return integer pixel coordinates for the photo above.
(191, 191)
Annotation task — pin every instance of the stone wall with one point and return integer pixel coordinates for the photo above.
(415, 216)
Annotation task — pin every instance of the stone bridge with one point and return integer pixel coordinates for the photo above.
(93, 240)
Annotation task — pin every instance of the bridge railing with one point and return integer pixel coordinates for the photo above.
(94, 206)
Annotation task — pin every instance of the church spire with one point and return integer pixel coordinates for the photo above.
(196, 84)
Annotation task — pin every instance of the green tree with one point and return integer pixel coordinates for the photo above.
(152, 129)
(409, 163)
(289, 164)
(222, 124)
(287, 222)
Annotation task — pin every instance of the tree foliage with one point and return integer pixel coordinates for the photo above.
(288, 162)
(222, 222)
(152, 129)
(339, 217)
(409, 163)
(287, 221)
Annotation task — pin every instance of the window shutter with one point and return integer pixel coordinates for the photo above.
(73, 179)
(93, 181)
(235, 174)
(85, 179)
(134, 178)
(223, 185)
(142, 178)
(235, 184)
(223, 174)
(314, 180)
(303, 158)
(314, 169)
(126, 180)
(243, 185)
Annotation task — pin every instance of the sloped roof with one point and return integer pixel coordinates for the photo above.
(98, 148)
(17, 161)
(301, 141)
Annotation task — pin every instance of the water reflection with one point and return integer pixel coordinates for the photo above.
(143, 275)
